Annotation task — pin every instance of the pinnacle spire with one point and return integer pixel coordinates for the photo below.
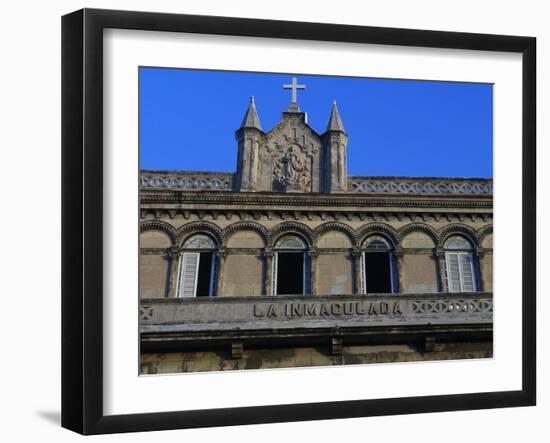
(251, 119)
(334, 121)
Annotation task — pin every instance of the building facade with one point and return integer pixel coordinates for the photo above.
(291, 262)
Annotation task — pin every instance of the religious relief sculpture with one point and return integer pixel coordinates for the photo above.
(291, 172)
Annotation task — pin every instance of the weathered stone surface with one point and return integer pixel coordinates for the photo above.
(242, 275)
(153, 276)
(334, 274)
(307, 356)
(283, 312)
(418, 273)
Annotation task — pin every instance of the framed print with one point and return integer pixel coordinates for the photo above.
(270, 221)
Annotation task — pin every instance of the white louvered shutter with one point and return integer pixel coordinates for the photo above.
(188, 274)
(467, 272)
(363, 274)
(453, 272)
(274, 275)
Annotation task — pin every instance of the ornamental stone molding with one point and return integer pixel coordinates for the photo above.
(458, 229)
(311, 215)
(291, 228)
(304, 200)
(186, 181)
(480, 252)
(418, 227)
(335, 226)
(247, 226)
(158, 225)
(420, 185)
(377, 228)
(484, 232)
(197, 227)
(437, 306)
(223, 181)
(312, 236)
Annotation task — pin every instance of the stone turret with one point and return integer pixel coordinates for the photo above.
(334, 163)
(291, 156)
(249, 138)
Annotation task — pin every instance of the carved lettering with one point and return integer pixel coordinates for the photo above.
(258, 312)
(296, 310)
(324, 310)
(335, 309)
(372, 309)
(348, 308)
(396, 309)
(271, 312)
(310, 310)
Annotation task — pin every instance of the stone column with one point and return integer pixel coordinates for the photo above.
(440, 269)
(480, 255)
(268, 270)
(356, 254)
(313, 253)
(220, 255)
(174, 255)
(399, 265)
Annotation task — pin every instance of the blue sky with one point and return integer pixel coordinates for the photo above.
(188, 120)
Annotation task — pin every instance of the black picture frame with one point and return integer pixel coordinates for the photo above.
(82, 215)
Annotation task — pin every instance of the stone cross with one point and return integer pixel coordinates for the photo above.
(294, 86)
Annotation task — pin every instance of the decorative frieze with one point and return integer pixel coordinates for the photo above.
(310, 311)
(326, 216)
(433, 186)
(442, 306)
(186, 181)
(223, 181)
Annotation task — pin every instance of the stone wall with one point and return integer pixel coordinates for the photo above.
(334, 274)
(246, 240)
(242, 275)
(174, 362)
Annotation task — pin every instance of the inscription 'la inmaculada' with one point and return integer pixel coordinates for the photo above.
(291, 310)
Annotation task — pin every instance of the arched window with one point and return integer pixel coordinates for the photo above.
(459, 265)
(378, 266)
(197, 269)
(290, 266)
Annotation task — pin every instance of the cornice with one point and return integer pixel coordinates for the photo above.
(312, 200)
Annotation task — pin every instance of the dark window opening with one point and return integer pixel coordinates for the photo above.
(205, 274)
(378, 272)
(290, 273)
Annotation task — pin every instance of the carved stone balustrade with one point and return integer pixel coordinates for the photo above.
(186, 181)
(420, 185)
(224, 181)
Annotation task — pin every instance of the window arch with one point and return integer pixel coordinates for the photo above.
(197, 267)
(460, 264)
(199, 241)
(290, 273)
(378, 266)
(377, 242)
